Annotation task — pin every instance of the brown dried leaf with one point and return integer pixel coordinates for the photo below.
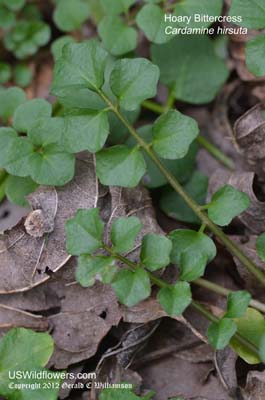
(225, 364)
(86, 315)
(249, 131)
(254, 217)
(248, 246)
(78, 318)
(255, 387)
(27, 260)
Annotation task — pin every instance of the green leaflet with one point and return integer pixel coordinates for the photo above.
(5, 72)
(155, 251)
(91, 268)
(18, 188)
(26, 114)
(151, 20)
(10, 99)
(255, 54)
(85, 132)
(84, 232)
(116, 6)
(120, 166)
(195, 83)
(237, 303)
(251, 11)
(70, 14)
(202, 7)
(117, 37)
(82, 65)
(52, 166)
(252, 327)
(58, 44)
(27, 351)
(124, 232)
(226, 204)
(173, 134)
(133, 81)
(220, 333)
(22, 75)
(192, 251)
(131, 287)
(175, 299)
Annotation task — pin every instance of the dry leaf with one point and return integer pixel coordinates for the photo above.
(255, 387)
(26, 260)
(225, 364)
(249, 131)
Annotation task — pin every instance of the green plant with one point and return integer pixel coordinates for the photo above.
(24, 353)
(24, 31)
(190, 250)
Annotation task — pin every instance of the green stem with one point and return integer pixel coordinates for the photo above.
(207, 314)
(213, 150)
(213, 287)
(170, 101)
(229, 244)
(156, 108)
(194, 304)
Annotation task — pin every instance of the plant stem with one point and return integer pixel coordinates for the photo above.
(225, 292)
(194, 304)
(230, 245)
(207, 314)
(152, 106)
(212, 149)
